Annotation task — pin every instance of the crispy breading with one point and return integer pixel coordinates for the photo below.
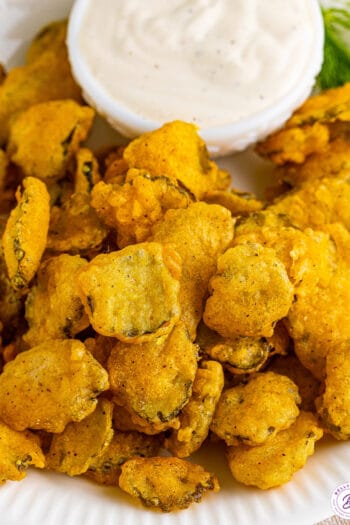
(176, 151)
(106, 468)
(86, 173)
(134, 206)
(46, 76)
(254, 412)
(249, 293)
(164, 483)
(199, 233)
(310, 129)
(197, 414)
(276, 461)
(81, 444)
(18, 451)
(75, 227)
(169, 363)
(25, 235)
(53, 306)
(132, 294)
(50, 385)
(47, 155)
(334, 404)
(238, 202)
(307, 384)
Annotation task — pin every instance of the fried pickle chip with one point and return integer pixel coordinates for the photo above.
(309, 129)
(255, 412)
(51, 37)
(250, 292)
(75, 226)
(164, 483)
(86, 171)
(307, 384)
(238, 202)
(18, 450)
(50, 385)
(199, 233)
(333, 161)
(132, 294)
(25, 234)
(154, 380)
(134, 206)
(81, 444)
(53, 306)
(316, 203)
(66, 125)
(318, 267)
(274, 463)
(196, 416)
(106, 468)
(176, 151)
(46, 76)
(334, 405)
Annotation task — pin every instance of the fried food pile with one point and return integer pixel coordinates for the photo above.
(146, 308)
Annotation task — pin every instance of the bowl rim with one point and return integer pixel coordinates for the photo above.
(132, 124)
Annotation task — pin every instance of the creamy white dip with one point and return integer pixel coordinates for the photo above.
(211, 62)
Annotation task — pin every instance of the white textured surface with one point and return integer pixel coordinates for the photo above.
(52, 499)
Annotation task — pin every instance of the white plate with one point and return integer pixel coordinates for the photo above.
(53, 499)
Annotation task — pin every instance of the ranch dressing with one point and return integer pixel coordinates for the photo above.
(210, 62)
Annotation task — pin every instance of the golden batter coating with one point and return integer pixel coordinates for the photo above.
(81, 444)
(154, 380)
(135, 205)
(18, 451)
(86, 173)
(253, 413)
(53, 306)
(176, 151)
(275, 462)
(164, 483)
(25, 235)
(199, 233)
(196, 416)
(250, 292)
(106, 468)
(45, 76)
(75, 227)
(50, 385)
(65, 124)
(132, 294)
(334, 404)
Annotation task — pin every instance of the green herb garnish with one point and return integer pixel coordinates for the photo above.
(336, 63)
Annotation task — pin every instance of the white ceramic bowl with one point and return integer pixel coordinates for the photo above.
(220, 140)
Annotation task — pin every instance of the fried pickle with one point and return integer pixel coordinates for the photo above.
(199, 233)
(18, 451)
(196, 416)
(25, 235)
(176, 151)
(53, 306)
(132, 294)
(106, 468)
(81, 444)
(50, 385)
(46, 76)
(250, 292)
(164, 483)
(253, 413)
(86, 173)
(134, 206)
(66, 125)
(276, 461)
(75, 227)
(169, 363)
